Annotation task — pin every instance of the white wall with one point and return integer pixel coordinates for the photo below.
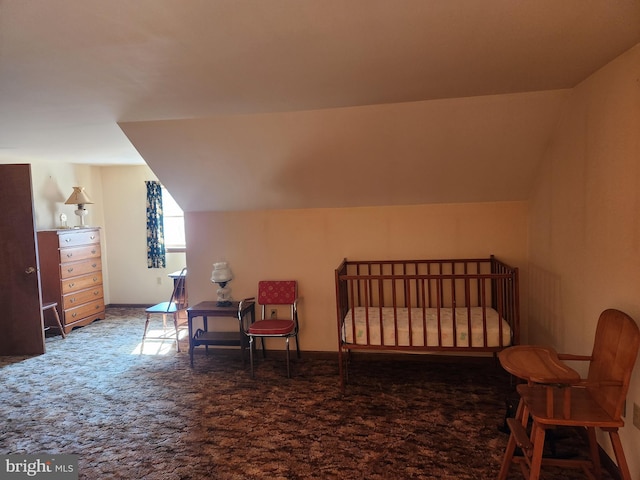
(585, 221)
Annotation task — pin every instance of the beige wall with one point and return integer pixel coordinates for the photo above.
(52, 183)
(119, 209)
(124, 199)
(307, 245)
(303, 244)
(585, 220)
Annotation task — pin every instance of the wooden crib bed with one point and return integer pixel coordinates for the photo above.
(455, 305)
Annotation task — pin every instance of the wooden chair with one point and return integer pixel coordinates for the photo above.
(54, 307)
(172, 307)
(595, 402)
(275, 294)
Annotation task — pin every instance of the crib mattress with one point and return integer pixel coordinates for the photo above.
(493, 321)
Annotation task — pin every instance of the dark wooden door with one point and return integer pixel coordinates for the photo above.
(21, 327)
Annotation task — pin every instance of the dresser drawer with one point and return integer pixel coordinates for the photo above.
(68, 270)
(73, 238)
(78, 313)
(83, 296)
(80, 283)
(79, 253)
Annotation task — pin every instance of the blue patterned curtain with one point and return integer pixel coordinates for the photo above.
(155, 226)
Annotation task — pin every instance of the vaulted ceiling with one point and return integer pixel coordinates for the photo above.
(243, 104)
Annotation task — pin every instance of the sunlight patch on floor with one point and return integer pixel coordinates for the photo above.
(159, 342)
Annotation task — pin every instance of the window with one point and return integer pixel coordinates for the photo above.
(174, 238)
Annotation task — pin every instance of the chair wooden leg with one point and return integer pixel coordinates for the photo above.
(594, 452)
(144, 333)
(54, 306)
(625, 474)
(508, 457)
(507, 460)
(58, 322)
(537, 438)
(175, 325)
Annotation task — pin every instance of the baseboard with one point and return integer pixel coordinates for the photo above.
(129, 305)
(385, 357)
(431, 357)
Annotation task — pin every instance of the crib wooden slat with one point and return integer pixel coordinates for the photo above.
(414, 294)
(485, 335)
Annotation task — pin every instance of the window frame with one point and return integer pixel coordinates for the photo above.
(171, 248)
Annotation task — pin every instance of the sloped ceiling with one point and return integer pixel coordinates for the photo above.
(291, 104)
(456, 150)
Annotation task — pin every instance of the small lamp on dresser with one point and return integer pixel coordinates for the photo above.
(80, 198)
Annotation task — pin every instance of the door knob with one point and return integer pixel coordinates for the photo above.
(30, 270)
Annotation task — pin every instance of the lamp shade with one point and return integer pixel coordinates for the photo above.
(78, 197)
(221, 273)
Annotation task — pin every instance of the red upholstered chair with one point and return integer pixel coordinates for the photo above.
(282, 294)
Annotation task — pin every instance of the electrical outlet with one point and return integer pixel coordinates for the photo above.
(636, 415)
(274, 313)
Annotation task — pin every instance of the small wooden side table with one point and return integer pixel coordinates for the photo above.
(212, 338)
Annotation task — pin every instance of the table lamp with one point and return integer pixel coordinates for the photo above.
(222, 275)
(80, 198)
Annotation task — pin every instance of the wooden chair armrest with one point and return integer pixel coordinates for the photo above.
(601, 383)
(569, 356)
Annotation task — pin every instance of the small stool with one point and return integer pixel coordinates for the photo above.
(54, 306)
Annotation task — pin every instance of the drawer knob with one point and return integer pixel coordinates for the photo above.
(74, 314)
(73, 300)
(70, 269)
(71, 285)
(69, 255)
(92, 237)
(96, 293)
(94, 265)
(93, 251)
(95, 279)
(67, 240)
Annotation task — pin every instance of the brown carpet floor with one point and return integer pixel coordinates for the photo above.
(151, 416)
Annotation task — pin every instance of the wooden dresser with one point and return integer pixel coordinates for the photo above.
(71, 274)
